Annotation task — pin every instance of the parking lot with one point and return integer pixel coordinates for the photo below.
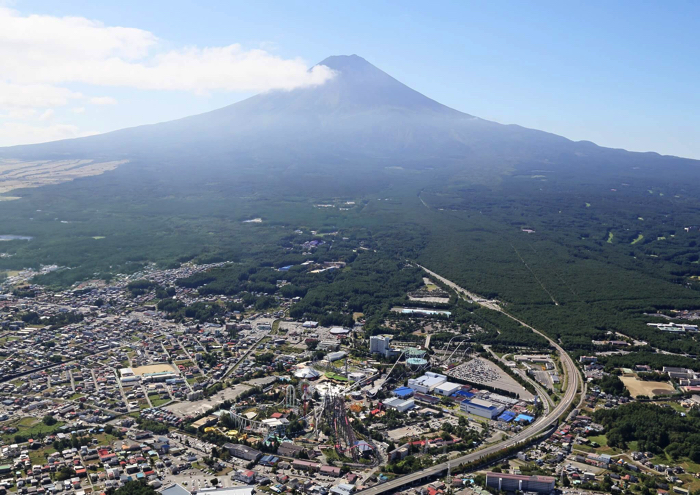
(481, 371)
(195, 408)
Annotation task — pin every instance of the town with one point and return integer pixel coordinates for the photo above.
(101, 387)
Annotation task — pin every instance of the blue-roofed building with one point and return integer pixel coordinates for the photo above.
(403, 392)
(507, 416)
(285, 268)
(524, 418)
(463, 394)
(269, 460)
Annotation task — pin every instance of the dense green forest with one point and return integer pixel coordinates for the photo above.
(584, 274)
(611, 384)
(655, 428)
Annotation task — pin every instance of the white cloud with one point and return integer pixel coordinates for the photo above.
(39, 49)
(14, 95)
(41, 55)
(20, 113)
(47, 114)
(12, 133)
(103, 100)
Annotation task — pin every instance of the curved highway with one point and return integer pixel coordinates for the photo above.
(540, 425)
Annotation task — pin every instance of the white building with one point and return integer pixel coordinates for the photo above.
(447, 388)
(427, 383)
(380, 344)
(399, 404)
(356, 376)
(307, 373)
(482, 408)
(335, 356)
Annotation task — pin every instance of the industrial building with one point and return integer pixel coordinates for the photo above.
(243, 451)
(399, 404)
(339, 331)
(335, 356)
(356, 376)
(403, 392)
(427, 383)
(480, 407)
(515, 482)
(447, 388)
(524, 418)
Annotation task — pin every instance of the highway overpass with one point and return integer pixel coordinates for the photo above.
(542, 424)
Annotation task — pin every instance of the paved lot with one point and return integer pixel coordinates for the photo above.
(405, 431)
(484, 372)
(194, 408)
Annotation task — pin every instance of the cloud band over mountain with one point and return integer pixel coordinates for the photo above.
(41, 56)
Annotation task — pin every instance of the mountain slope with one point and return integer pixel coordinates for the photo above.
(362, 119)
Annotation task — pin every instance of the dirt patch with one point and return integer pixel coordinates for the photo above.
(639, 387)
(16, 174)
(153, 368)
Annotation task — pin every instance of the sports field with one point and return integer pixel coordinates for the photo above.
(650, 389)
(153, 368)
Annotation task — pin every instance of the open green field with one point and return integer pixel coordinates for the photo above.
(30, 427)
(600, 440)
(335, 376)
(157, 401)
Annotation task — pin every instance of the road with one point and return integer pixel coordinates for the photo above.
(245, 356)
(540, 425)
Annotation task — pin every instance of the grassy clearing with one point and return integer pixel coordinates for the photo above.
(32, 428)
(335, 376)
(639, 238)
(610, 237)
(288, 349)
(601, 440)
(105, 438)
(157, 400)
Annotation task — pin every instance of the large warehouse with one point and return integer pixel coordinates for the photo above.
(480, 407)
(515, 482)
(399, 404)
(427, 383)
(447, 388)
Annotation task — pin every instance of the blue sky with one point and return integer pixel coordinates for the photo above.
(621, 74)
